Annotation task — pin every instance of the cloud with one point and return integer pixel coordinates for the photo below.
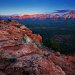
(63, 11)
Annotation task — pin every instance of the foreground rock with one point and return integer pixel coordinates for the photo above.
(27, 59)
(21, 53)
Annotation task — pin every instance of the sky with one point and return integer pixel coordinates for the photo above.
(14, 7)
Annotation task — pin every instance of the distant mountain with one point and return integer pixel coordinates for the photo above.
(69, 14)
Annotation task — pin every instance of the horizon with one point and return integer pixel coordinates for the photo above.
(59, 12)
(20, 7)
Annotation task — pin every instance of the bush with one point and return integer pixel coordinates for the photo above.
(10, 59)
(23, 40)
(8, 21)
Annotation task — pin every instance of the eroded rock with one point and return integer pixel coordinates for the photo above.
(20, 54)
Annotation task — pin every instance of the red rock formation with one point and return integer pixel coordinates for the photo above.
(36, 38)
(16, 30)
(70, 58)
(22, 58)
(1, 73)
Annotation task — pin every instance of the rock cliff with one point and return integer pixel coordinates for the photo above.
(21, 53)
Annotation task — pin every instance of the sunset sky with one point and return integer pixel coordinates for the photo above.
(10, 7)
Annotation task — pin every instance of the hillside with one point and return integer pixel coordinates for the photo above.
(22, 53)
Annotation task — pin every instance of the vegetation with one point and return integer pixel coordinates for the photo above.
(23, 40)
(8, 59)
(65, 28)
(52, 44)
(8, 21)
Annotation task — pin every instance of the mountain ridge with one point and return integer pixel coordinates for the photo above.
(70, 14)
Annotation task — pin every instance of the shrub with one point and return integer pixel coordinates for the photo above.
(8, 21)
(10, 59)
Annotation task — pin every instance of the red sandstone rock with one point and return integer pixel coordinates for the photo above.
(18, 58)
(36, 38)
(1, 73)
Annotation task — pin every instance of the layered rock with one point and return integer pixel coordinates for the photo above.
(27, 59)
(21, 53)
